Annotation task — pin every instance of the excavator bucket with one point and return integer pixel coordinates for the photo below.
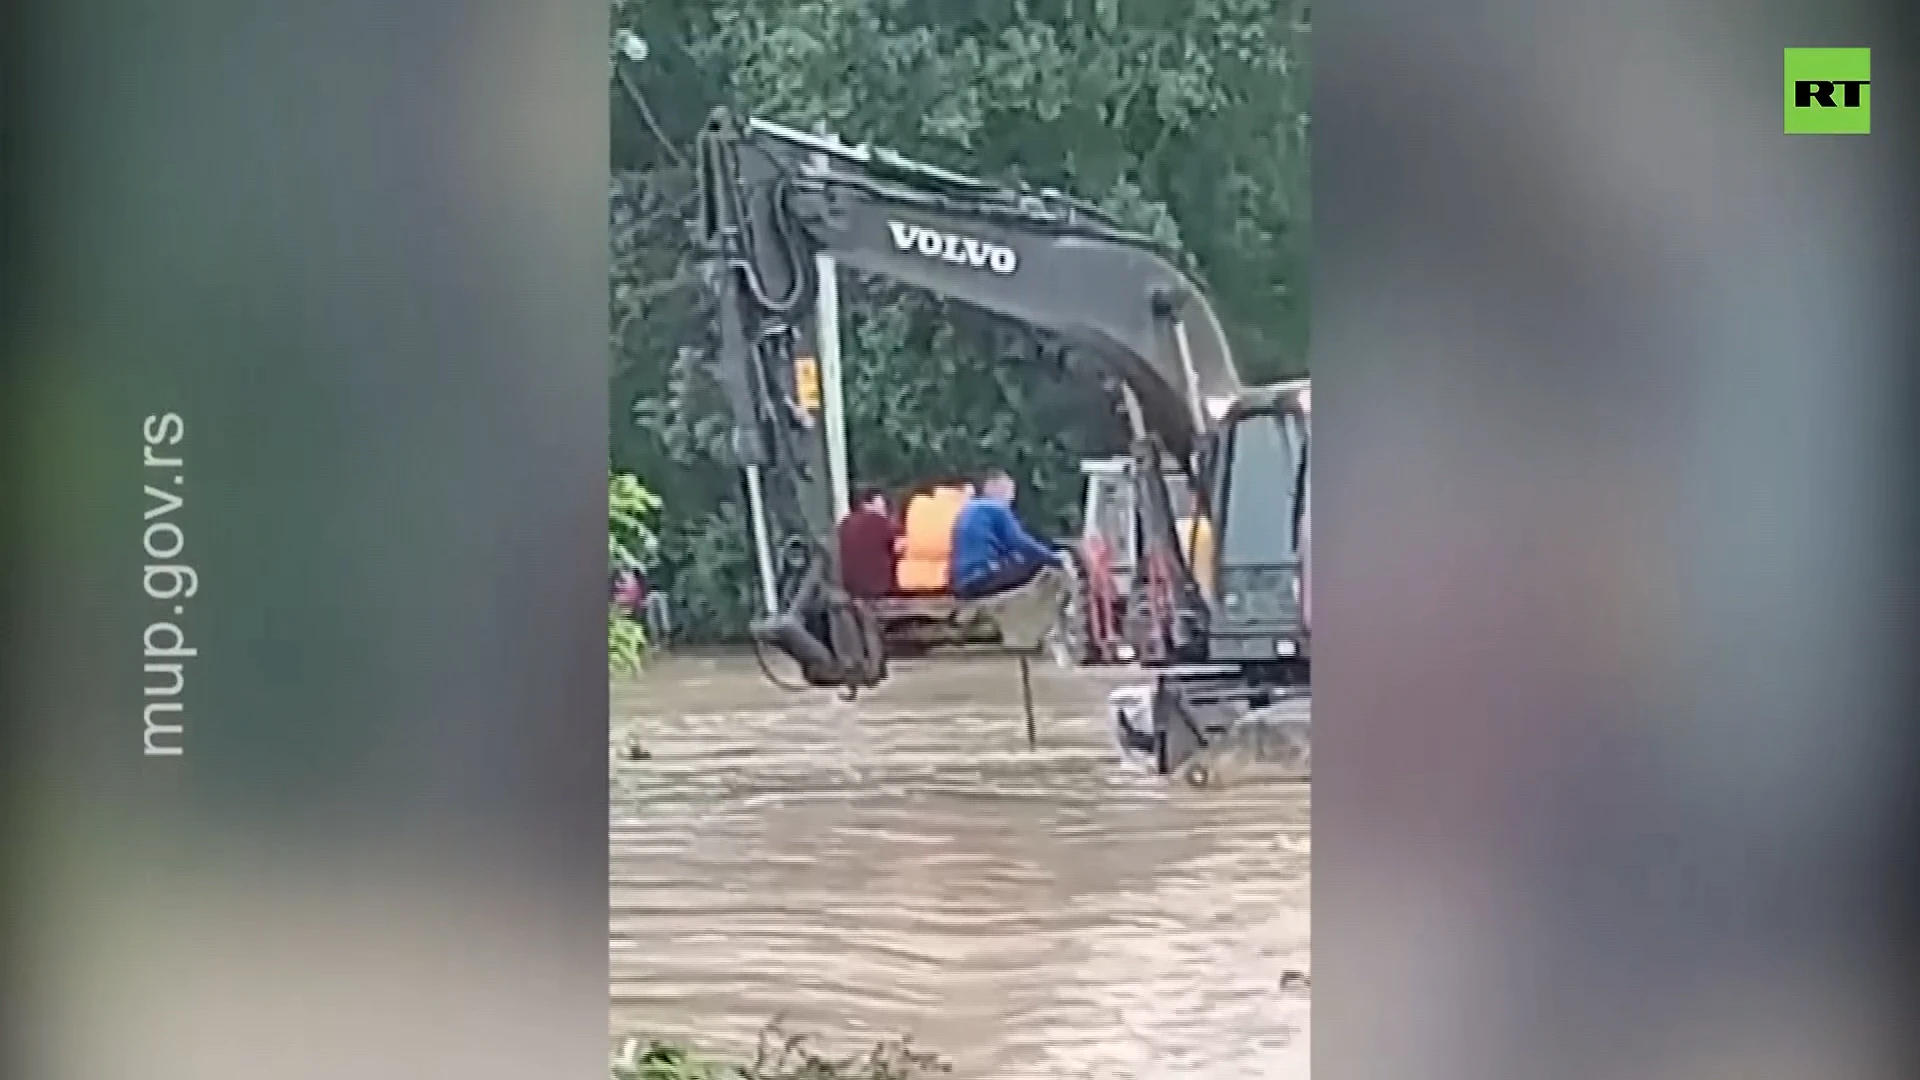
(1026, 615)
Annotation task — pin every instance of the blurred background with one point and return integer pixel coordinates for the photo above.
(359, 251)
(1612, 503)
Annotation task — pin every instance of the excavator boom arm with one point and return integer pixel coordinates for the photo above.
(772, 198)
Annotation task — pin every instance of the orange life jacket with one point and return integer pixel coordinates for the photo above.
(927, 543)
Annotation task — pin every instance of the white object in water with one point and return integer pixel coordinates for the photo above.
(1129, 715)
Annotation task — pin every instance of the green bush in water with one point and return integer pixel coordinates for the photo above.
(631, 545)
(778, 1057)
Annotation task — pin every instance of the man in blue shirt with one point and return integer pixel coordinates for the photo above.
(992, 553)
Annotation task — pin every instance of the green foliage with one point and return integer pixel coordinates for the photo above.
(1188, 119)
(778, 1057)
(664, 1061)
(626, 642)
(631, 543)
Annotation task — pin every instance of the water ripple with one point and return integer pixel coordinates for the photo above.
(905, 864)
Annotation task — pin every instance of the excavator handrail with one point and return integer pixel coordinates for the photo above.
(893, 161)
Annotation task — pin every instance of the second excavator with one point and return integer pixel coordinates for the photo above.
(772, 198)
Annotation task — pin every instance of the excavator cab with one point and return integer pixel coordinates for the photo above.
(1241, 711)
(1259, 574)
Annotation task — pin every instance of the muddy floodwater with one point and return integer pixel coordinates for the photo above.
(906, 865)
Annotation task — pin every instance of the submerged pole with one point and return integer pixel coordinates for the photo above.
(1026, 701)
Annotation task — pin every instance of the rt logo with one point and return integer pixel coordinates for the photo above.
(1828, 92)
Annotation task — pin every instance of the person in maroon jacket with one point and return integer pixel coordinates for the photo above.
(869, 546)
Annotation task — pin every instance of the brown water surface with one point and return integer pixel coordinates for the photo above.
(906, 865)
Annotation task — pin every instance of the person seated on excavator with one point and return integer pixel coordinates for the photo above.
(992, 552)
(869, 543)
